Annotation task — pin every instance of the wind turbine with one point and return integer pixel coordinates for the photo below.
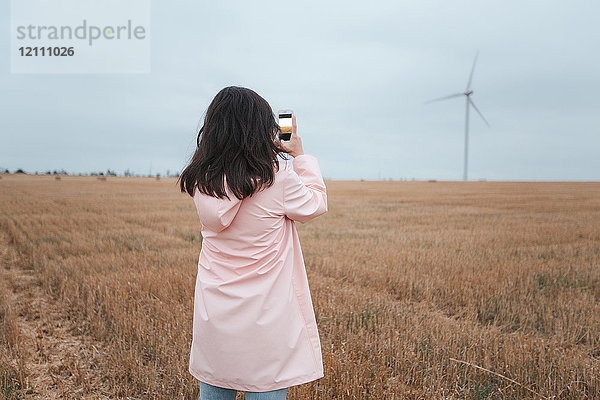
(469, 102)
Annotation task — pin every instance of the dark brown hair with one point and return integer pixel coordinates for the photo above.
(236, 142)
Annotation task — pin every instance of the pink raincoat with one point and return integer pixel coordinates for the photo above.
(254, 326)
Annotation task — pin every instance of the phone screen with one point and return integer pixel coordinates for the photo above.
(285, 123)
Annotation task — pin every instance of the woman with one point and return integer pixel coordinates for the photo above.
(254, 326)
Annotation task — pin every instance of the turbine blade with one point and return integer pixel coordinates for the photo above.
(445, 97)
(472, 70)
(479, 112)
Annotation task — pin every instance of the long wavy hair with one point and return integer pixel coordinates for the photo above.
(235, 146)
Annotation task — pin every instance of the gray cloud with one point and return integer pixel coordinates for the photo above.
(357, 75)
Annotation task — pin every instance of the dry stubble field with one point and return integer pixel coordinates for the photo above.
(477, 290)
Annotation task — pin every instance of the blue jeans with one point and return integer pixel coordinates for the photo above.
(210, 392)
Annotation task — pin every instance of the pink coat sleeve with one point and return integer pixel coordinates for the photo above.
(305, 195)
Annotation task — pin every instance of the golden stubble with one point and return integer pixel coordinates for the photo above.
(478, 290)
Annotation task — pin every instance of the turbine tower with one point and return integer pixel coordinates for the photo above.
(469, 102)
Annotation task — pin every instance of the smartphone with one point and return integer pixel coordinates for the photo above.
(285, 123)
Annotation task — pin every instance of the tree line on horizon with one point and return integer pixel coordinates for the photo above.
(108, 172)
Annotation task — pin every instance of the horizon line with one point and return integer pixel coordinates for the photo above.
(428, 180)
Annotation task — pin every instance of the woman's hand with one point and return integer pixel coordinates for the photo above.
(293, 146)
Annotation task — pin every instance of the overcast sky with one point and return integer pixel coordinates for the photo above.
(357, 75)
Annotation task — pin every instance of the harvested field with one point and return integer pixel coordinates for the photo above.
(454, 290)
